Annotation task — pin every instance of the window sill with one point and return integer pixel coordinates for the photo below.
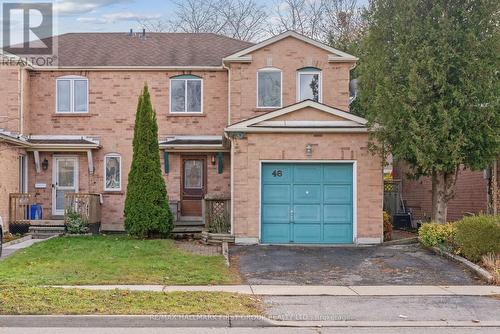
(190, 114)
(74, 114)
(108, 192)
(266, 109)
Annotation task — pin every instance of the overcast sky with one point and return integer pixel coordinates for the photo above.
(110, 15)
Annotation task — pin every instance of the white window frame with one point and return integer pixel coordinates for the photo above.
(113, 155)
(320, 79)
(185, 112)
(270, 69)
(71, 79)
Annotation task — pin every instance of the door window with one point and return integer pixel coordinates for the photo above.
(193, 174)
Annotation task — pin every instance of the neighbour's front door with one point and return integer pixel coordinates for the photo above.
(193, 185)
(64, 180)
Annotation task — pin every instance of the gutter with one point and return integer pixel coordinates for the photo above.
(128, 68)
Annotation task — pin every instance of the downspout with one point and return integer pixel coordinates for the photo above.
(228, 92)
(21, 104)
(230, 141)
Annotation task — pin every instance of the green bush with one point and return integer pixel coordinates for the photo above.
(75, 224)
(432, 234)
(478, 235)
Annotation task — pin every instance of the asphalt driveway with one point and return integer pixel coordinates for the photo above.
(378, 265)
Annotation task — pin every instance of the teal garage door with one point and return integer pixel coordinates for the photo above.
(306, 203)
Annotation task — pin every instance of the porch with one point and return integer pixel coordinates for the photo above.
(26, 215)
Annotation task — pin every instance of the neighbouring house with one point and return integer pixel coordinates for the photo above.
(476, 192)
(267, 125)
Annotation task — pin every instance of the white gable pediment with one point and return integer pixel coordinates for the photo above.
(306, 115)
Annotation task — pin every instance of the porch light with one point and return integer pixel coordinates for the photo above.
(213, 159)
(45, 164)
(309, 150)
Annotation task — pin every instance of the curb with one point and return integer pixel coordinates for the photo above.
(406, 241)
(483, 273)
(128, 321)
(212, 321)
(17, 241)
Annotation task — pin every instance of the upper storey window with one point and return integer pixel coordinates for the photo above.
(72, 94)
(269, 88)
(186, 94)
(309, 84)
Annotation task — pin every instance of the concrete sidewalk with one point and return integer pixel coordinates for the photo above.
(310, 290)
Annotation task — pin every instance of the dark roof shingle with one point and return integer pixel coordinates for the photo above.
(156, 49)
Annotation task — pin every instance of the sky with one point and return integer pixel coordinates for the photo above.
(107, 15)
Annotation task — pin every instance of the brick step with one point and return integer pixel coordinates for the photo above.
(47, 228)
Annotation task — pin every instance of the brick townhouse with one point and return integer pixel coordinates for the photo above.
(265, 124)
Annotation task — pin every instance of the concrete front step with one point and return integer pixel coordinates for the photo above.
(44, 232)
(47, 222)
(188, 223)
(187, 229)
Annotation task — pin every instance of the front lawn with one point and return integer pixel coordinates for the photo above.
(37, 300)
(111, 260)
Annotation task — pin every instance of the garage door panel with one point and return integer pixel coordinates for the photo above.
(277, 173)
(306, 233)
(307, 213)
(337, 194)
(306, 194)
(337, 213)
(276, 193)
(307, 203)
(339, 173)
(276, 233)
(307, 174)
(276, 213)
(337, 233)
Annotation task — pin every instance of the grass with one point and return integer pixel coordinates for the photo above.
(37, 301)
(111, 260)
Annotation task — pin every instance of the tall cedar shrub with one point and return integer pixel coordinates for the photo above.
(147, 212)
(430, 84)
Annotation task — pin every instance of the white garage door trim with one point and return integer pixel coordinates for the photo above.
(354, 188)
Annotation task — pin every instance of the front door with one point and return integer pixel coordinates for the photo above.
(64, 180)
(193, 185)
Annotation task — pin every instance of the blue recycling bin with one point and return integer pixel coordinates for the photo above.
(36, 212)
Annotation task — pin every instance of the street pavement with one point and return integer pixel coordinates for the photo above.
(274, 330)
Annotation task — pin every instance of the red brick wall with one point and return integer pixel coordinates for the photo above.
(9, 177)
(112, 103)
(256, 147)
(470, 194)
(289, 55)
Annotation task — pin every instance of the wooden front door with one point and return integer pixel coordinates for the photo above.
(193, 187)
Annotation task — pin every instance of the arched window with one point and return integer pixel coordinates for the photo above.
(112, 172)
(186, 94)
(269, 88)
(72, 94)
(309, 84)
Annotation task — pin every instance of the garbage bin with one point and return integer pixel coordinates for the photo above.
(36, 212)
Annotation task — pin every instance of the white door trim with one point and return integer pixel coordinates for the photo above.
(354, 188)
(56, 212)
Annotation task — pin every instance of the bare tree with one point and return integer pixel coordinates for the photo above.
(342, 23)
(197, 16)
(243, 19)
(154, 25)
(302, 16)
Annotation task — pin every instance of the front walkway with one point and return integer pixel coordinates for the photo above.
(9, 250)
(349, 266)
